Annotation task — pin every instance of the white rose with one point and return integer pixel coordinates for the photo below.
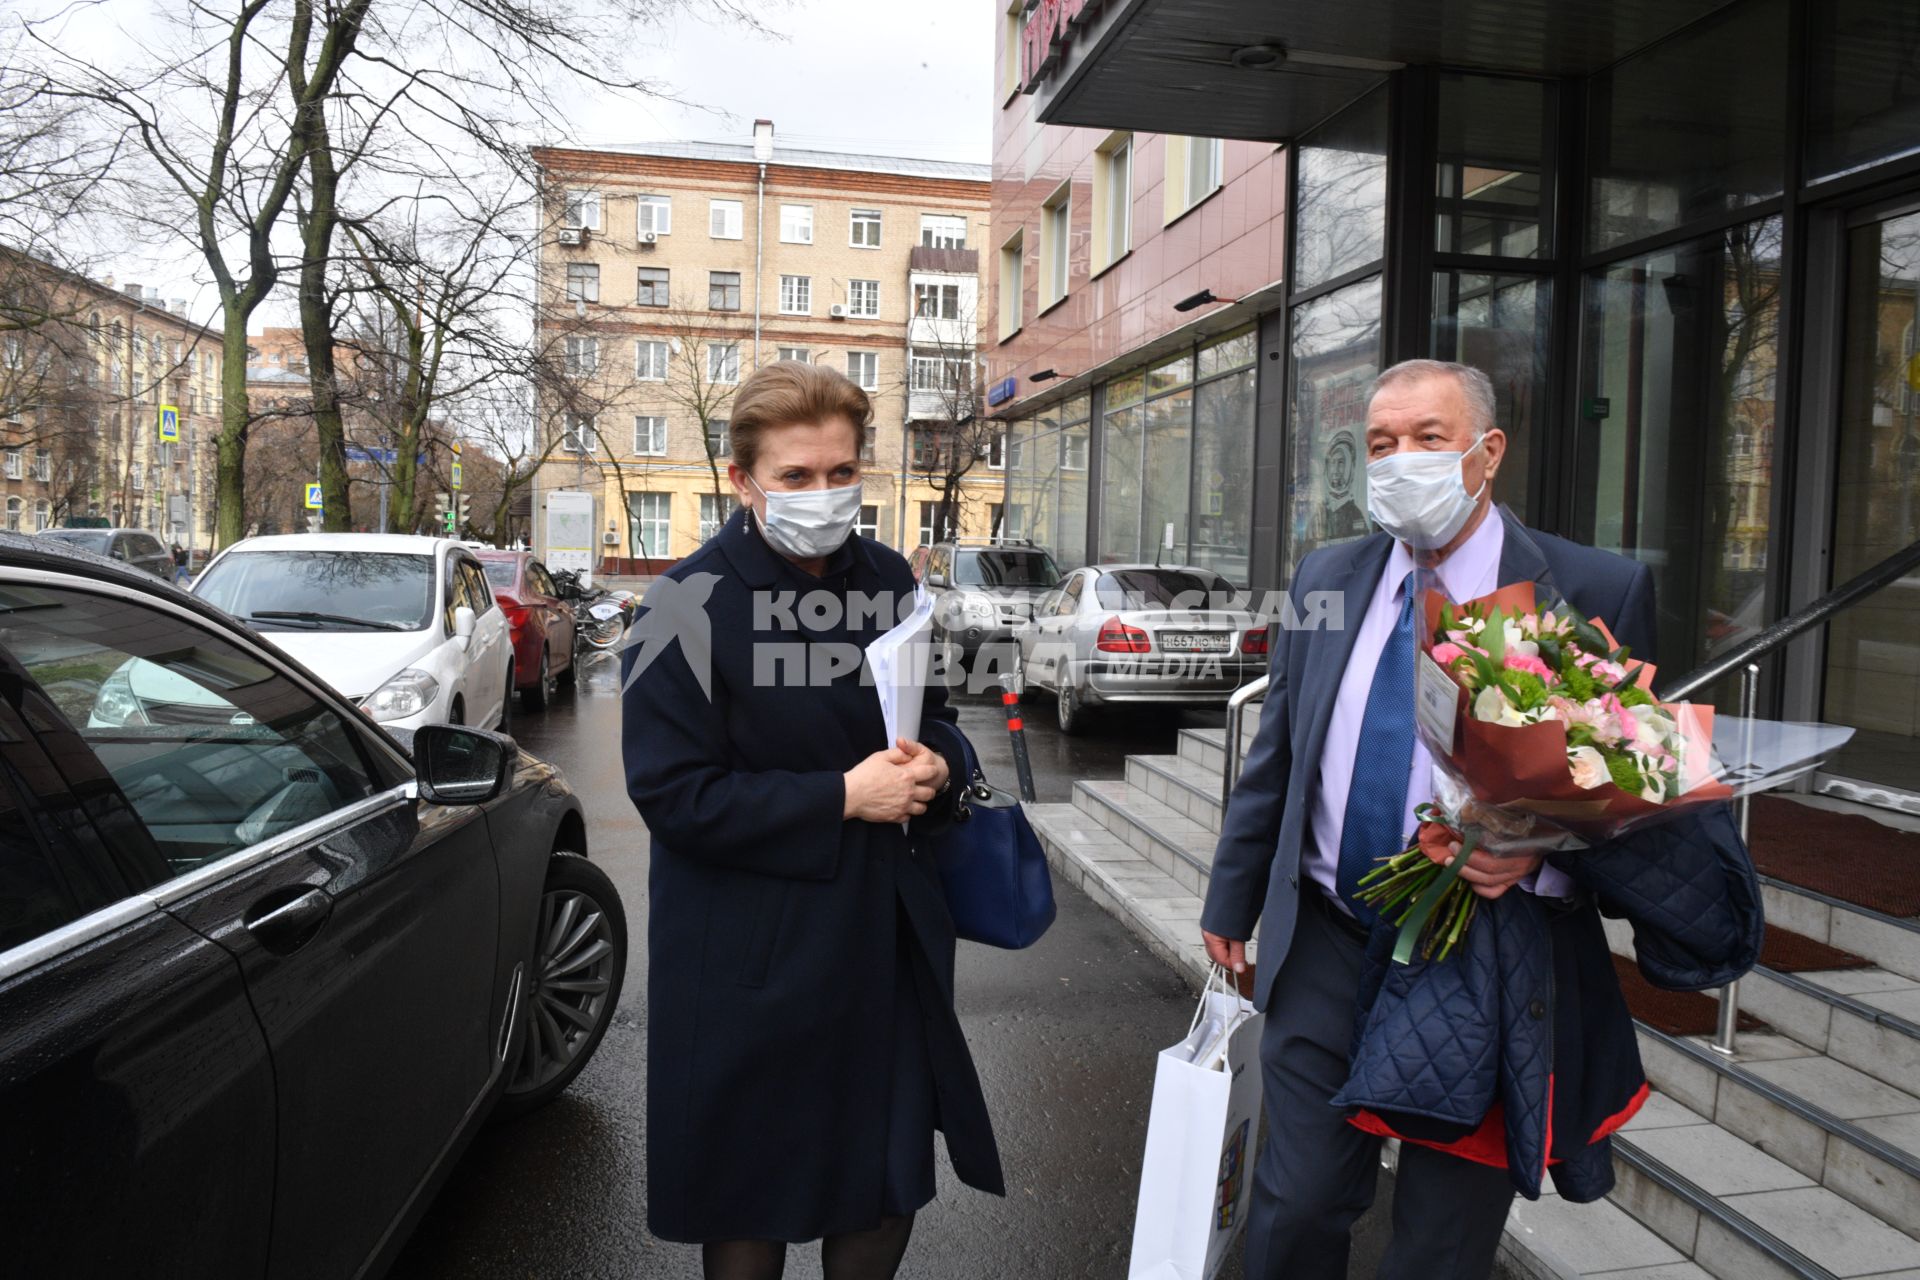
(1654, 786)
(1589, 767)
(1491, 705)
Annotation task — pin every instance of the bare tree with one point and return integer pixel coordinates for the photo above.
(949, 433)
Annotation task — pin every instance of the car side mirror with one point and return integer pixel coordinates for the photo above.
(936, 579)
(456, 764)
(463, 623)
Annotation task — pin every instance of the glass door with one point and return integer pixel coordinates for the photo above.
(1873, 649)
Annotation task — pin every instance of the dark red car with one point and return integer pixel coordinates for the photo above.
(541, 623)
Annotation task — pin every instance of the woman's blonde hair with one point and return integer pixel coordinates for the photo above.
(788, 392)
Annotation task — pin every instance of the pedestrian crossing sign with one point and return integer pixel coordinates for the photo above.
(456, 473)
(169, 422)
(314, 502)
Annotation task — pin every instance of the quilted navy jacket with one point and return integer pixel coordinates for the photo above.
(1518, 1049)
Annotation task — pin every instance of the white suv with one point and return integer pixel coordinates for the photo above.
(405, 626)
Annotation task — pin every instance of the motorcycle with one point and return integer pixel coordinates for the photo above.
(601, 617)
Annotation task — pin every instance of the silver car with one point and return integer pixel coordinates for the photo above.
(1127, 633)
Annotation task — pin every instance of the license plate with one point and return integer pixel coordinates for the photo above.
(1194, 641)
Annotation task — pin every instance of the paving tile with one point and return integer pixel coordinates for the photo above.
(1730, 1256)
(1585, 1238)
(1902, 1004)
(1653, 1206)
(1883, 1052)
(1760, 1046)
(1667, 1271)
(1805, 1018)
(1690, 1083)
(1780, 1133)
(1853, 982)
(1888, 1193)
(1716, 1161)
(1841, 1237)
(1887, 945)
(1796, 912)
(1661, 1112)
(1901, 1131)
(1836, 1088)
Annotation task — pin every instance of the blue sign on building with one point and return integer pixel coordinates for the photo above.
(1002, 391)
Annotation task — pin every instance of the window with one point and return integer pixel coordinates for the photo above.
(43, 464)
(42, 515)
(651, 359)
(1013, 256)
(583, 282)
(653, 289)
(655, 215)
(1013, 31)
(864, 229)
(583, 356)
(938, 301)
(650, 515)
(725, 219)
(577, 434)
(1056, 224)
(723, 290)
(796, 295)
(650, 436)
(863, 369)
(1193, 173)
(714, 510)
(582, 209)
(719, 443)
(799, 355)
(997, 452)
(863, 298)
(14, 507)
(16, 464)
(723, 362)
(868, 523)
(937, 370)
(1073, 451)
(274, 757)
(796, 223)
(942, 231)
(928, 512)
(1112, 201)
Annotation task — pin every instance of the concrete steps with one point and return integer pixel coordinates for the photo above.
(1800, 1156)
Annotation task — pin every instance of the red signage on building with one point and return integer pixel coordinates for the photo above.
(1048, 33)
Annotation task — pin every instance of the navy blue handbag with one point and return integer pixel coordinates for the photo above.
(998, 888)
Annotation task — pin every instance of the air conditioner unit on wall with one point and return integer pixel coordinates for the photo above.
(838, 311)
(573, 235)
(648, 239)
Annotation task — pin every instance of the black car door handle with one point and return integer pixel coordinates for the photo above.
(284, 925)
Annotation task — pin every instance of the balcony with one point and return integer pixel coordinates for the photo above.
(952, 262)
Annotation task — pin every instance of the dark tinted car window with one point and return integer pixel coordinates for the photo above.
(33, 900)
(94, 540)
(500, 574)
(390, 592)
(542, 582)
(1023, 567)
(214, 749)
(1164, 589)
(477, 589)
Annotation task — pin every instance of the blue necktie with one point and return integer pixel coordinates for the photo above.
(1377, 799)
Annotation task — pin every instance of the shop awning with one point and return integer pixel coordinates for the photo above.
(1270, 69)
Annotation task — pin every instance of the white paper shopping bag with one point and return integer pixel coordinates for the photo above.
(1197, 1176)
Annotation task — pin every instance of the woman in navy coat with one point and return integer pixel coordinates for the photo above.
(801, 1043)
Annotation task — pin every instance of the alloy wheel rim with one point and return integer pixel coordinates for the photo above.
(546, 678)
(567, 998)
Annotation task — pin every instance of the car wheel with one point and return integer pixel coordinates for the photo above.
(568, 676)
(1068, 710)
(540, 693)
(457, 713)
(573, 983)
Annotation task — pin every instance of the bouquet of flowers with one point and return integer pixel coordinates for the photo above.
(1545, 735)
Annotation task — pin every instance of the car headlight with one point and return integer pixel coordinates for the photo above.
(116, 705)
(407, 694)
(977, 608)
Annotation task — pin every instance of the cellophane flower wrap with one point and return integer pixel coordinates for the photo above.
(1545, 736)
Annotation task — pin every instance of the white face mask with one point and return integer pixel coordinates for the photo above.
(1421, 497)
(808, 524)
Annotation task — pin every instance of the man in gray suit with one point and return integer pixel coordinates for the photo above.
(1329, 787)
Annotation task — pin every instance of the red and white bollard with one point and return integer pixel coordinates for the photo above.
(1017, 730)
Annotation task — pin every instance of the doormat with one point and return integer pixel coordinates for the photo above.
(1842, 855)
(1678, 1013)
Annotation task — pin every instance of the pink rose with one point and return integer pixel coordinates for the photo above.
(1530, 665)
(1447, 654)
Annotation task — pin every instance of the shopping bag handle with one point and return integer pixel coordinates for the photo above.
(1226, 989)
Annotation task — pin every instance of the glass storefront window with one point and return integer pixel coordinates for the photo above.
(1492, 194)
(1675, 453)
(1691, 127)
(1164, 490)
(1232, 352)
(1340, 209)
(1499, 324)
(1177, 372)
(1122, 448)
(1336, 356)
(1223, 474)
(1873, 649)
(1864, 85)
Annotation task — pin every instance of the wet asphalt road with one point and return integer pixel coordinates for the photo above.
(1064, 1035)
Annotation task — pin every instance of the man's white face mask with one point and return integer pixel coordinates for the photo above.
(1421, 497)
(809, 524)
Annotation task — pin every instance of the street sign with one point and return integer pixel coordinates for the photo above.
(169, 422)
(314, 501)
(177, 510)
(456, 473)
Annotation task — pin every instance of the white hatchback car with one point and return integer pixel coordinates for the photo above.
(405, 626)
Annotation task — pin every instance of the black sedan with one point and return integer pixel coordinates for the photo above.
(263, 967)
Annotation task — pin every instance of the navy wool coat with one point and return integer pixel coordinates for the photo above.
(773, 924)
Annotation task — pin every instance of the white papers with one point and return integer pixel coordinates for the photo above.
(901, 661)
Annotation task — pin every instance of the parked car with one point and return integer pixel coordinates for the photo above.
(982, 590)
(136, 547)
(540, 622)
(1140, 633)
(264, 965)
(405, 626)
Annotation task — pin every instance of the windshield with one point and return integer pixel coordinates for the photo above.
(94, 540)
(342, 590)
(1164, 589)
(1022, 567)
(500, 573)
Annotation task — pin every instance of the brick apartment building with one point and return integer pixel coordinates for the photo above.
(672, 270)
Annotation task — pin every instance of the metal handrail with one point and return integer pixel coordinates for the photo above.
(1236, 716)
(1888, 571)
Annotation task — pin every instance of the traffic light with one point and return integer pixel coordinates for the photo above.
(444, 512)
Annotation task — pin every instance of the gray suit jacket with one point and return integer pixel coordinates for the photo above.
(1256, 865)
